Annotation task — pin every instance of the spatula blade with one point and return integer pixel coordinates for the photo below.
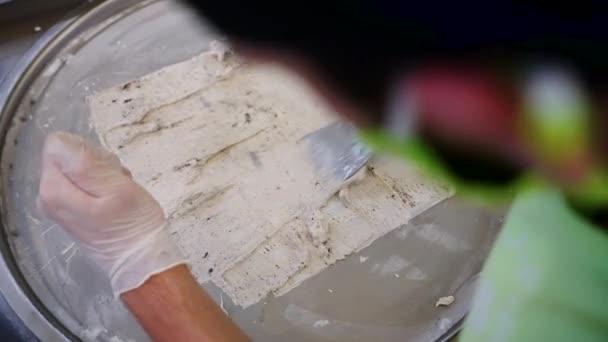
(336, 149)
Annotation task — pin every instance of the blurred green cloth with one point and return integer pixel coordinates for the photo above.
(546, 278)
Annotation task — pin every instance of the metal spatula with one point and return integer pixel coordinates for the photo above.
(336, 150)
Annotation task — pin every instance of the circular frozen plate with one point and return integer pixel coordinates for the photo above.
(59, 294)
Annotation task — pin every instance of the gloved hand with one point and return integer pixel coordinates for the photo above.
(92, 196)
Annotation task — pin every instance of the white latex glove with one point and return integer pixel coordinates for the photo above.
(92, 196)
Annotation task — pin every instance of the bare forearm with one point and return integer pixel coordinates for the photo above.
(171, 306)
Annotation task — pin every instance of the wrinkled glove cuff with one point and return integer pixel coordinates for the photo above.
(148, 257)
